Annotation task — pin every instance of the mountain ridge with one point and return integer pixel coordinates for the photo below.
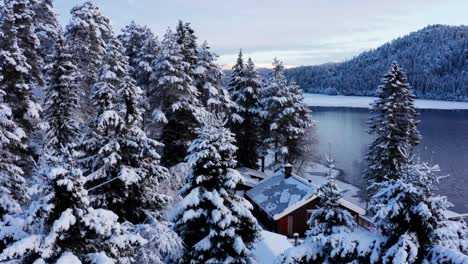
(435, 59)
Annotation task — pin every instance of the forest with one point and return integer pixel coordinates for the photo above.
(123, 147)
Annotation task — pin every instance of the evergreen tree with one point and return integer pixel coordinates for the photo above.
(121, 162)
(174, 101)
(208, 80)
(87, 35)
(141, 47)
(215, 223)
(20, 63)
(395, 127)
(244, 86)
(411, 217)
(187, 41)
(12, 183)
(20, 75)
(47, 28)
(285, 113)
(61, 100)
(61, 226)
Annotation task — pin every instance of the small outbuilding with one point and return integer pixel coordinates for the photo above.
(251, 178)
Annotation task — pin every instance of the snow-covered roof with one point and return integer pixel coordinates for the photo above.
(276, 194)
(455, 216)
(251, 176)
(279, 196)
(251, 172)
(270, 247)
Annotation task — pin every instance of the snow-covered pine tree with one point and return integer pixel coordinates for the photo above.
(299, 123)
(61, 100)
(412, 218)
(244, 86)
(174, 101)
(20, 75)
(12, 183)
(330, 223)
(20, 63)
(87, 35)
(47, 28)
(208, 79)
(62, 227)
(394, 125)
(185, 36)
(120, 161)
(141, 47)
(215, 224)
(286, 114)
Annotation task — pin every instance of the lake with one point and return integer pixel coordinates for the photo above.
(444, 142)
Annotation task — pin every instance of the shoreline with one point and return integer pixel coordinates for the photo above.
(323, 100)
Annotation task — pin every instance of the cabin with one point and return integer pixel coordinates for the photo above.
(284, 202)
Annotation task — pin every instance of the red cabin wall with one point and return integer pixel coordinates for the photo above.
(283, 226)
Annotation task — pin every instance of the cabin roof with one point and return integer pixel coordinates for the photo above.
(251, 173)
(278, 196)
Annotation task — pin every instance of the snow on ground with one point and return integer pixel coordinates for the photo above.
(270, 246)
(322, 100)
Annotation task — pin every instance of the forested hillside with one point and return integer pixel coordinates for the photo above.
(435, 58)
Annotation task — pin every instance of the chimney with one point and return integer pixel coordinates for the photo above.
(287, 170)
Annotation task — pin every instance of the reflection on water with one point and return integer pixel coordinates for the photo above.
(444, 142)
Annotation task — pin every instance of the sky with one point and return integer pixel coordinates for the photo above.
(298, 32)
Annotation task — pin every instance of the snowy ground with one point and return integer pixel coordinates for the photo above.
(270, 246)
(322, 100)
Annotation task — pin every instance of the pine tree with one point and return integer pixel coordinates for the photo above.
(215, 224)
(174, 101)
(187, 41)
(411, 217)
(330, 219)
(61, 100)
(61, 225)
(141, 48)
(47, 28)
(20, 63)
(121, 162)
(298, 123)
(87, 35)
(20, 75)
(394, 125)
(244, 86)
(286, 115)
(12, 183)
(208, 80)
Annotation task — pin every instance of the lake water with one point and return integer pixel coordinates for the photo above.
(444, 142)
